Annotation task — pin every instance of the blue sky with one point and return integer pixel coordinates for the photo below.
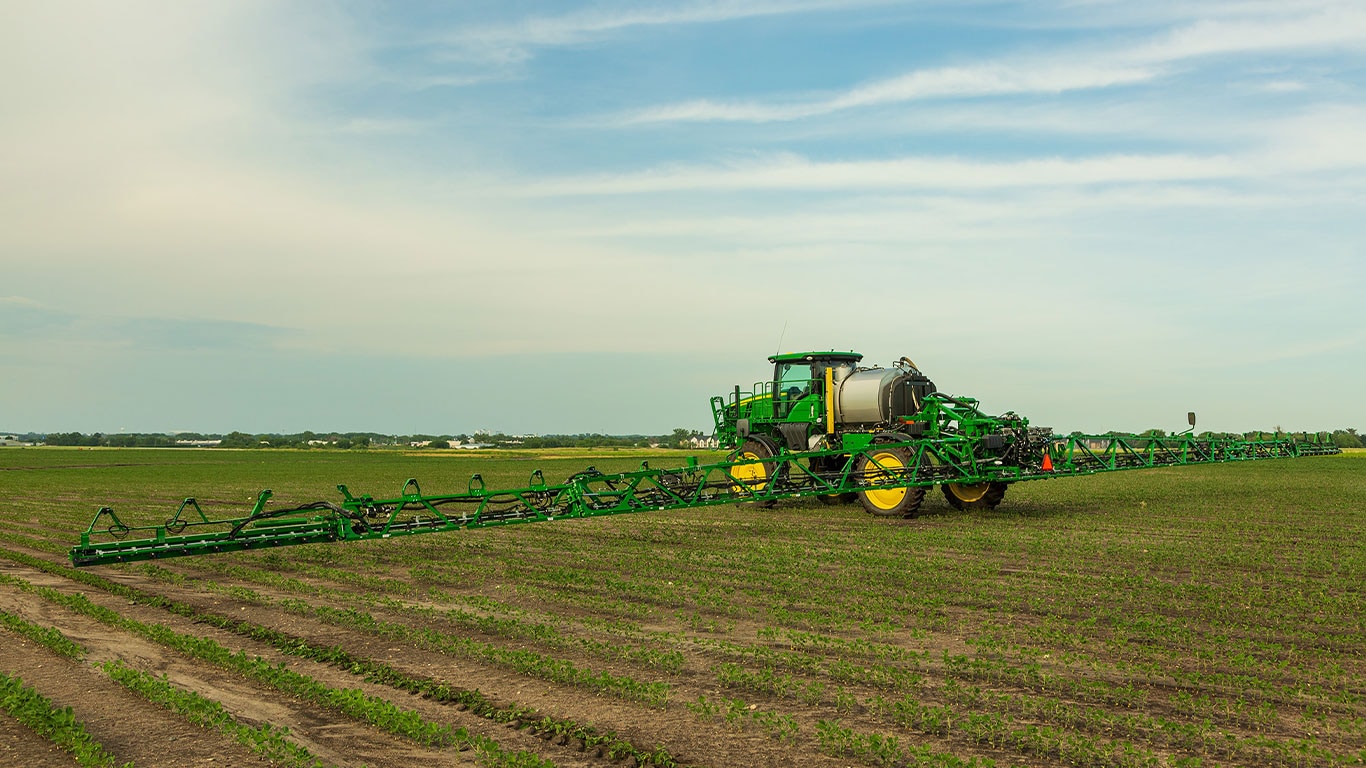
(591, 217)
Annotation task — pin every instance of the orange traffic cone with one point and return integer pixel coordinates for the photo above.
(1047, 462)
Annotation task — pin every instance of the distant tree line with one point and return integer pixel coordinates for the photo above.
(679, 438)
(1347, 438)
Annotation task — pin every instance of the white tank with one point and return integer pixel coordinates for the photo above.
(877, 395)
(862, 396)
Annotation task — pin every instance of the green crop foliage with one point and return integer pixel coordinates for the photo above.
(57, 724)
(1205, 615)
(272, 743)
(354, 703)
(48, 637)
(883, 750)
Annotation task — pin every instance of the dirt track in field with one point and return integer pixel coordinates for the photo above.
(135, 730)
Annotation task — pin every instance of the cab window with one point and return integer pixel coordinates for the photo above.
(794, 379)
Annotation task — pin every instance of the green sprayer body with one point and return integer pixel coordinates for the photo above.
(822, 427)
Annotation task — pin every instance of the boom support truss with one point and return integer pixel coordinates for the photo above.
(590, 493)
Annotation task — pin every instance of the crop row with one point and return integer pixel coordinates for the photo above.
(57, 724)
(353, 703)
(1001, 730)
(350, 702)
(1143, 632)
(272, 743)
(524, 661)
(737, 714)
(883, 750)
(48, 637)
(1195, 734)
(544, 633)
(265, 740)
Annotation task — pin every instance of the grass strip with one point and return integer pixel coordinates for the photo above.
(272, 743)
(58, 725)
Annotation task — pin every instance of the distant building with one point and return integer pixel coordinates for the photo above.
(703, 442)
(199, 443)
(12, 440)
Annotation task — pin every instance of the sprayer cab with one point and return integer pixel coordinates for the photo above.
(818, 399)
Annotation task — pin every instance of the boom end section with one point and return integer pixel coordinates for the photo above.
(109, 540)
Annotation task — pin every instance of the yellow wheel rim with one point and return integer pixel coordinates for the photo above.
(968, 493)
(876, 471)
(753, 476)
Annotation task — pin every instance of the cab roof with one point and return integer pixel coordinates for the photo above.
(797, 357)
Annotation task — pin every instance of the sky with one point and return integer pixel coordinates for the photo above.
(565, 217)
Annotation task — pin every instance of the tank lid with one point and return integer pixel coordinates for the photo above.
(797, 357)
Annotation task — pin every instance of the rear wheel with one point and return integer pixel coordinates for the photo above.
(755, 475)
(975, 496)
(880, 465)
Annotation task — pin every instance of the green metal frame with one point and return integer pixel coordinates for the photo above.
(949, 440)
(936, 459)
(766, 405)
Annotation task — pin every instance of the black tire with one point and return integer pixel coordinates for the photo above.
(756, 475)
(833, 499)
(827, 467)
(877, 463)
(975, 496)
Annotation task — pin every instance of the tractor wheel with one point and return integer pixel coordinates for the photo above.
(832, 465)
(832, 499)
(876, 464)
(975, 496)
(756, 475)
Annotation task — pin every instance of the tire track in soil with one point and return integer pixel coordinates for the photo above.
(333, 737)
(305, 721)
(689, 739)
(19, 745)
(125, 724)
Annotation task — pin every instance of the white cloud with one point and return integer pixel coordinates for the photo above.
(791, 172)
(515, 38)
(177, 157)
(1283, 86)
(969, 219)
(984, 80)
(1087, 67)
(1325, 29)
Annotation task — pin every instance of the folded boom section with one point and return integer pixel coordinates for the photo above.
(943, 460)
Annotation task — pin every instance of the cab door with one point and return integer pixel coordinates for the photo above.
(797, 391)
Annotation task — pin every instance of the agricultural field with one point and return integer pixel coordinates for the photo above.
(1189, 616)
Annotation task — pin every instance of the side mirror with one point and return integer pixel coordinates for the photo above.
(1190, 418)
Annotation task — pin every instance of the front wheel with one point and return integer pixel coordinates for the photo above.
(881, 465)
(832, 499)
(755, 475)
(975, 496)
(830, 469)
